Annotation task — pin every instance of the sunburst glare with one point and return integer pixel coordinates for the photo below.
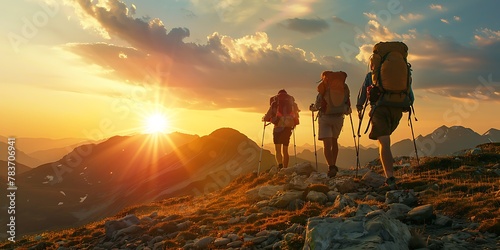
(156, 123)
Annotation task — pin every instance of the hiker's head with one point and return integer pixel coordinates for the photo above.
(282, 91)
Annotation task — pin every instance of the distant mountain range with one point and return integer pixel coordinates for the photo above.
(443, 141)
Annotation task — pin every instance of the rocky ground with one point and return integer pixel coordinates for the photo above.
(441, 203)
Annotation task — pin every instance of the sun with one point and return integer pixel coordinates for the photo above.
(156, 123)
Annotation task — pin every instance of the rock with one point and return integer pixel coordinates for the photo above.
(443, 221)
(184, 225)
(298, 182)
(346, 185)
(421, 214)
(281, 200)
(318, 197)
(204, 242)
(257, 240)
(379, 232)
(234, 220)
(237, 243)
(232, 237)
(342, 202)
(127, 230)
(303, 168)
(398, 211)
(111, 227)
(159, 245)
(406, 197)
(373, 179)
(263, 192)
(296, 205)
(363, 209)
(221, 242)
(332, 195)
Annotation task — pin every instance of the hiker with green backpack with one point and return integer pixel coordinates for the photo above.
(387, 88)
(283, 112)
(333, 104)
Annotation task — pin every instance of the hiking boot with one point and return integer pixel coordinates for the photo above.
(332, 171)
(391, 183)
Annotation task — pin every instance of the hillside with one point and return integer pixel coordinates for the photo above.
(445, 203)
(98, 180)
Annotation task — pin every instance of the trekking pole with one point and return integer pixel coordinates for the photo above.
(414, 143)
(294, 146)
(314, 136)
(356, 146)
(361, 118)
(262, 146)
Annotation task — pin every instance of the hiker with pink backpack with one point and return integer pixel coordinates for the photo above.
(283, 112)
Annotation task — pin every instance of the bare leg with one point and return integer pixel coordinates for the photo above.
(286, 156)
(335, 151)
(386, 155)
(328, 151)
(279, 156)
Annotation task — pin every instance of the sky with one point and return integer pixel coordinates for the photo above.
(94, 68)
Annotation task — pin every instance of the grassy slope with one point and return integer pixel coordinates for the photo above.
(463, 188)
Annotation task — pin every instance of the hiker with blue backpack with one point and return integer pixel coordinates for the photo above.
(283, 112)
(333, 104)
(387, 88)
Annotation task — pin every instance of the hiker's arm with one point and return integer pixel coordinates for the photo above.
(362, 92)
(412, 97)
(267, 117)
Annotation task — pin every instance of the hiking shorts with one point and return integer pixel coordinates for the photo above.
(384, 121)
(281, 135)
(330, 126)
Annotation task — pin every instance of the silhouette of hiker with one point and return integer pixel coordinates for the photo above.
(333, 103)
(284, 114)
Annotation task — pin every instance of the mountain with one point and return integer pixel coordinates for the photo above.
(443, 141)
(493, 135)
(21, 157)
(30, 145)
(53, 154)
(20, 168)
(346, 157)
(98, 180)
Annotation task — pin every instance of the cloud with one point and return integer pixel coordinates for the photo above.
(445, 21)
(486, 36)
(371, 16)
(225, 72)
(437, 7)
(411, 17)
(339, 20)
(306, 26)
(457, 18)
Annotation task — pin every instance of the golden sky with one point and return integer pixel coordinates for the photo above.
(92, 70)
